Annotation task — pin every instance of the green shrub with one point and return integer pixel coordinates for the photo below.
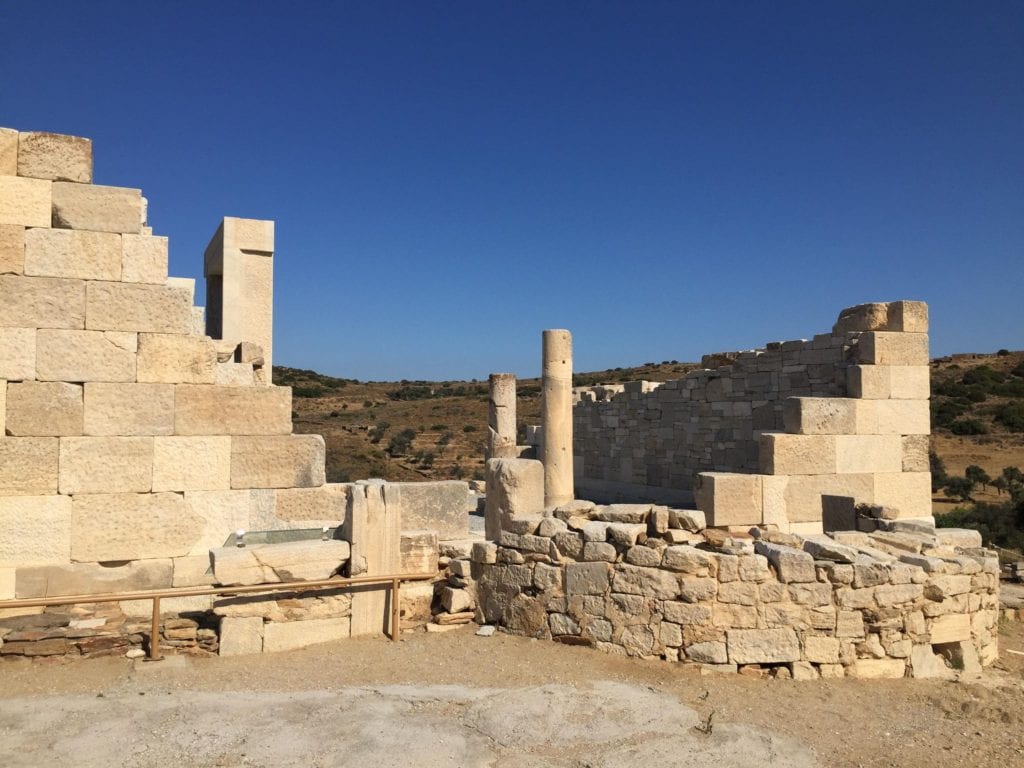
(1011, 416)
(968, 427)
(469, 428)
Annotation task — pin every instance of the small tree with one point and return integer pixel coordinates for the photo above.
(938, 470)
(959, 488)
(977, 475)
(1000, 484)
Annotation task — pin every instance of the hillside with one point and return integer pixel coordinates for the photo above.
(414, 430)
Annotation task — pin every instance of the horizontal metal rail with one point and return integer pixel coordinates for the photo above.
(156, 595)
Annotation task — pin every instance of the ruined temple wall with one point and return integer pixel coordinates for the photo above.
(645, 581)
(651, 436)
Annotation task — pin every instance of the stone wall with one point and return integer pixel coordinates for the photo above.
(768, 436)
(650, 581)
(132, 442)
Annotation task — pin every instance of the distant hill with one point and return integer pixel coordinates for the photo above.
(414, 430)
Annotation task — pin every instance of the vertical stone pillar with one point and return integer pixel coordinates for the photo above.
(239, 271)
(501, 417)
(373, 527)
(556, 417)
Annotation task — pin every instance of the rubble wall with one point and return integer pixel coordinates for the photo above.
(625, 580)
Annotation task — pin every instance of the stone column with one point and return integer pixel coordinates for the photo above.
(556, 416)
(501, 417)
(239, 271)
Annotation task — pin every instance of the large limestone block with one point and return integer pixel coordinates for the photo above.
(44, 409)
(324, 505)
(374, 528)
(873, 316)
(41, 302)
(277, 461)
(12, 249)
(241, 635)
(28, 466)
(804, 493)
(869, 453)
(8, 578)
(881, 382)
(893, 417)
(132, 526)
(8, 152)
(908, 492)
(729, 498)
(287, 636)
(69, 253)
(96, 208)
(217, 410)
(55, 156)
(275, 563)
(144, 259)
(105, 356)
(419, 552)
(25, 202)
(91, 579)
(785, 454)
(908, 316)
(17, 354)
(905, 316)
(129, 409)
(34, 529)
(442, 506)
(222, 513)
(137, 307)
(868, 669)
(176, 359)
(820, 415)
(885, 348)
(515, 490)
(192, 570)
(762, 646)
(951, 628)
(192, 463)
(106, 465)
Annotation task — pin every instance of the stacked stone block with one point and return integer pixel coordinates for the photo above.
(785, 436)
(837, 453)
(128, 434)
(650, 581)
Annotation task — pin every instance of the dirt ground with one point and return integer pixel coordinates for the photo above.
(456, 699)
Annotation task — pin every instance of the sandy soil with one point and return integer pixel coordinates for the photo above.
(457, 699)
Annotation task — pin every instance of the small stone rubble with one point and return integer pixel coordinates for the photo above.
(103, 629)
(652, 582)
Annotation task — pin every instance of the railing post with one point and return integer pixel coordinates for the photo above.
(396, 629)
(154, 632)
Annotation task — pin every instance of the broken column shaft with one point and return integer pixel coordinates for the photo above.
(501, 417)
(556, 417)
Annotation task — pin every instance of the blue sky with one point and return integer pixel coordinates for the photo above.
(664, 179)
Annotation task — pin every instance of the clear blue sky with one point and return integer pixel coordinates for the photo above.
(664, 179)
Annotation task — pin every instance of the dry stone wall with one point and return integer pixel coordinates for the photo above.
(650, 581)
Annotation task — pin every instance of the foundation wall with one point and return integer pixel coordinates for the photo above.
(624, 580)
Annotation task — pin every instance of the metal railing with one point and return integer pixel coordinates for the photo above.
(156, 595)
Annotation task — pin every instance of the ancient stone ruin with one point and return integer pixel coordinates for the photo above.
(142, 436)
(791, 529)
(768, 513)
